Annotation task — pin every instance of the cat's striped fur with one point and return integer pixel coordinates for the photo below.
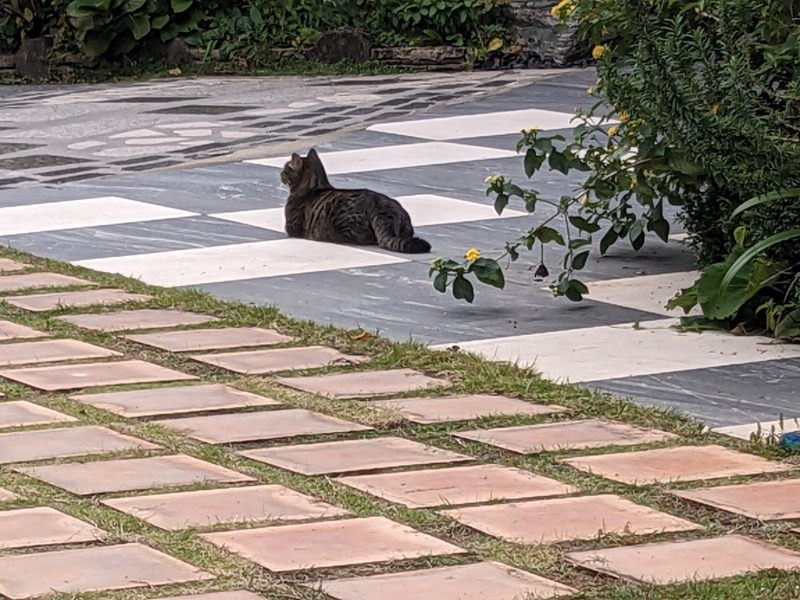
(318, 211)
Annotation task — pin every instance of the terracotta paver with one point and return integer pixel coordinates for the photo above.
(21, 413)
(9, 266)
(463, 408)
(132, 474)
(44, 444)
(257, 426)
(364, 384)
(43, 526)
(82, 298)
(763, 500)
(262, 362)
(12, 331)
(234, 595)
(113, 568)
(352, 456)
(5, 495)
(24, 353)
(684, 463)
(563, 519)
(330, 544)
(457, 485)
(479, 581)
(698, 560)
(74, 377)
(567, 435)
(197, 340)
(173, 400)
(12, 283)
(145, 318)
(228, 505)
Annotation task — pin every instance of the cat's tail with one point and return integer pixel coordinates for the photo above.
(410, 245)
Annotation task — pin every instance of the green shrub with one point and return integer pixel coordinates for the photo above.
(21, 19)
(707, 95)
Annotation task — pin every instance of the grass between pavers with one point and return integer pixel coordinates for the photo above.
(469, 374)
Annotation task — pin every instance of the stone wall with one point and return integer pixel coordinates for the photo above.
(536, 31)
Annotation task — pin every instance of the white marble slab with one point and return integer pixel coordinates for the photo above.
(425, 209)
(627, 350)
(649, 293)
(239, 262)
(760, 430)
(395, 157)
(481, 125)
(72, 214)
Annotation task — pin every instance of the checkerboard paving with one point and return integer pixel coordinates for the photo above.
(231, 242)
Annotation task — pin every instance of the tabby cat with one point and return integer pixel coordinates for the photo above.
(318, 211)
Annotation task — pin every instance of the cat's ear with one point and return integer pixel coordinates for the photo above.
(312, 154)
(297, 161)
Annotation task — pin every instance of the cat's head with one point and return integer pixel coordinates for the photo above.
(303, 173)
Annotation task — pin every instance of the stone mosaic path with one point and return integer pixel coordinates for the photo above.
(61, 134)
(220, 228)
(203, 464)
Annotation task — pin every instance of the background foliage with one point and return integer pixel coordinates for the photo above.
(707, 99)
(246, 29)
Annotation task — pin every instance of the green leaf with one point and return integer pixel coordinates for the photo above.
(159, 22)
(636, 235)
(543, 145)
(558, 162)
(608, 240)
(133, 5)
(583, 224)
(547, 235)
(500, 203)
(754, 251)
(758, 200)
(661, 228)
(686, 299)
(576, 290)
(139, 26)
(462, 289)
(96, 44)
(179, 6)
(533, 162)
(86, 8)
(440, 282)
(789, 325)
(489, 272)
(579, 260)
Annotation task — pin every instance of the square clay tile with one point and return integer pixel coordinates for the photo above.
(5, 495)
(13, 283)
(479, 581)
(563, 519)
(567, 435)
(364, 384)
(80, 299)
(457, 485)
(146, 318)
(127, 475)
(74, 377)
(330, 544)
(113, 568)
(9, 266)
(234, 595)
(198, 340)
(258, 426)
(763, 500)
(12, 331)
(204, 508)
(695, 560)
(173, 400)
(684, 463)
(43, 526)
(463, 408)
(21, 413)
(352, 456)
(44, 444)
(24, 353)
(262, 362)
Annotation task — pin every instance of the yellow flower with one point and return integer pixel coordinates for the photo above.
(599, 51)
(623, 117)
(531, 129)
(612, 131)
(585, 199)
(590, 91)
(492, 179)
(562, 9)
(714, 109)
(634, 181)
(472, 254)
